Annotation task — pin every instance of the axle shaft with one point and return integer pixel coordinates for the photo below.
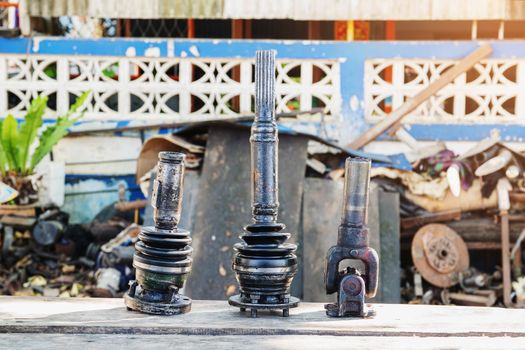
(264, 264)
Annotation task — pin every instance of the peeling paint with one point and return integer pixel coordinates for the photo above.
(94, 196)
(152, 52)
(131, 51)
(36, 44)
(183, 54)
(194, 50)
(495, 134)
(171, 48)
(354, 103)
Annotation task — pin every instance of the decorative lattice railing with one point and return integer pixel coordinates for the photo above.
(493, 91)
(180, 89)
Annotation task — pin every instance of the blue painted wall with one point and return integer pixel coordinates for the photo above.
(351, 55)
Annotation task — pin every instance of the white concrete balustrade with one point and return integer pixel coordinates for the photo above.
(493, 91)
(162, 89)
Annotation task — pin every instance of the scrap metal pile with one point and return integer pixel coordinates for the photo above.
(456, 240)
(43, 255)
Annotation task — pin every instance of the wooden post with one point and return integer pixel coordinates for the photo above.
(247, 23)
(394, 119)
(505, 258)
(237, 29)
(191, 28)
(127, 27)
(314, 30)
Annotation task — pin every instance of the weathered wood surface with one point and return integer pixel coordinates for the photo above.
(233, 342)
(110, 316)
(476, 229)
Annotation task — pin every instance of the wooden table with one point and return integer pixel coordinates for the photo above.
(54, 323)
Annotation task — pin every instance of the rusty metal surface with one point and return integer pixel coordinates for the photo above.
(353, 244)
(439, 254)
(163, 253)
(264, 264)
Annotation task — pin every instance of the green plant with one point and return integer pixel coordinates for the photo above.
(16, 141)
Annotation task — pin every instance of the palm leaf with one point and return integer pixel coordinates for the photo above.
(8, 140)
(78, 103)
(29, 130)
(3, 157)
(54, 133)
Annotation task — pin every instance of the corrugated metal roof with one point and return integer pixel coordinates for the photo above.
(293, 9)
(127, 8)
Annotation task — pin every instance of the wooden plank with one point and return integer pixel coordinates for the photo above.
(228, 342)
(222, 210)
(476, 229)
(418, 221)
(110, 316)
(322, 203)
(18, 210)
(394, 118)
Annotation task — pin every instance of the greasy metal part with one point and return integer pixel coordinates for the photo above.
(472, 280)
(263, 263)
(47, 232)
(352, 244)
(162, 259)
(439, 254)
(108, 282)
(476, 298)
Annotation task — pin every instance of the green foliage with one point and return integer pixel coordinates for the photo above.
(51, 71)
(110, 71)
(29, 131)
(9, 136)
(56, 132)
(16, 142)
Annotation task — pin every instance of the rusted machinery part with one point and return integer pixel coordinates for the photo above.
(162, 259)
(264, 263)
(352, 244)
(439, 254)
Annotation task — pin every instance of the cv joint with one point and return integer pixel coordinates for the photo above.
(263, 263)
(162, 259)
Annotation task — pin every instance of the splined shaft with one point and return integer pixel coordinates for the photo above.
(264, 264)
